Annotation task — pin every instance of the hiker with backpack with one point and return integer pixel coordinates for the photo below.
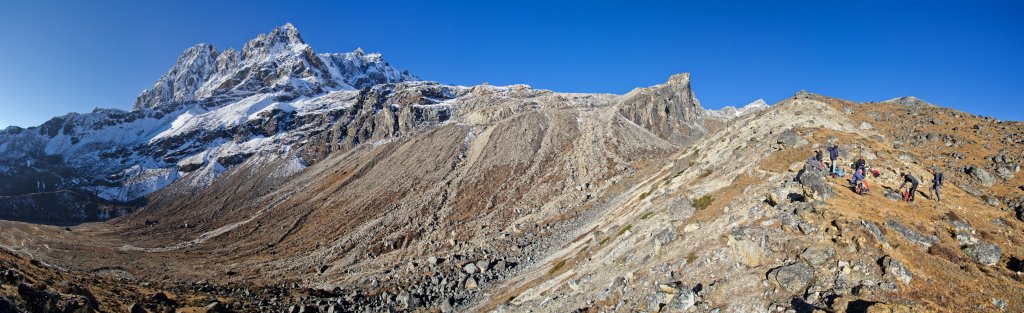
(907, 178)
(859, 182)
(860, 164)
(937, 179)
(833, 155)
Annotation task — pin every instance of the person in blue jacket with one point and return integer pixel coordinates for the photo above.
(937, 183)
(833, 155)
(858, 178)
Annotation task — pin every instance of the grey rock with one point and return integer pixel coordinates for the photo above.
(819, 255)
(981, 175)
(993, 201)
(1004, 173)
(675, 119)
(663, 237)
(971, 190)
(790, 192)
(894, 269)
(470, 268)
(959, 224)
(813, 180)
(683, 300)
(794, 278)
(875, 232)
(892, 194)
(501, 265)
(483, 265)
(403, 299)
(790, 138)
(983, 253)
(911, 235)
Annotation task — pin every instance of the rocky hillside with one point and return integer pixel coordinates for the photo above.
(419, 196)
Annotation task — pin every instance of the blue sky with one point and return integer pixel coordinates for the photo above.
(74, 56)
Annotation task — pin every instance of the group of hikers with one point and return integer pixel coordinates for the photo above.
(859, 184)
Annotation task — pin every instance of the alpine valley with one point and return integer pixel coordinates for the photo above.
(279, 179)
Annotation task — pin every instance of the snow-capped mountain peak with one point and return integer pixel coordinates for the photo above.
(210, 111)
(279, 61)
(193, 67)
(283, 39)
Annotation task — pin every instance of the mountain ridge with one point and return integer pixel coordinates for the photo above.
(420, 196)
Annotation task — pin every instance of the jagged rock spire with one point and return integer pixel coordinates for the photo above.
(669, 110)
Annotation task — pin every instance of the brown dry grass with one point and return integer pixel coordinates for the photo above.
(944, 278)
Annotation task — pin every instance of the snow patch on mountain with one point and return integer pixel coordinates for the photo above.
(730, 112)
(276, 62)
(141, 181)
(210, 111)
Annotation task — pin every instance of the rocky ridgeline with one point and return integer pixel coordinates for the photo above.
(294, 187)
(211, 111)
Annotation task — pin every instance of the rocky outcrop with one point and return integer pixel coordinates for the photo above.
(983, 253)
(794, 278)
(983, 176)
(812, 177)
(669, 110)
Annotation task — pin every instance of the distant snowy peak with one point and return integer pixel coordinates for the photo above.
(733, 112)
(752, 107)
(276, 62)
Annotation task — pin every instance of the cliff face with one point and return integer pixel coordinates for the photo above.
(669, 110)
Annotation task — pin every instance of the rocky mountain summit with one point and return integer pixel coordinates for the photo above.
(304, 190)
(278, 62)
(211, 111)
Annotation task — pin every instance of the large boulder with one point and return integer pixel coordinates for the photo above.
(983, 253)
(895, 270)
(789, 192)
(747, 252)
(794, 278)
(911, 235)
(981, 175)
(813, 180)
(790, 139)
